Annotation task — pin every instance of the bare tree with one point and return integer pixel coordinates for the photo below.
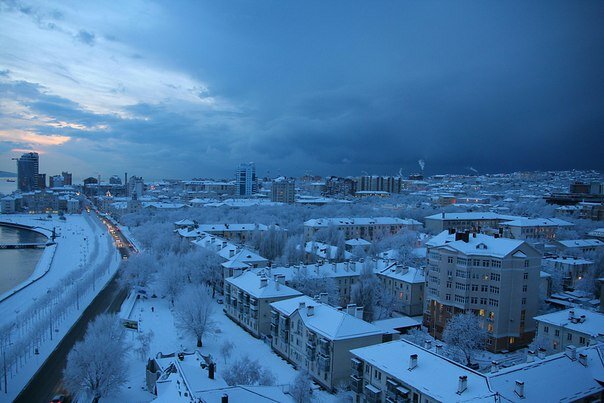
(96, 365)
(245, 371)
(416, 336)
(139, 270)
(464, 333)
(301, 389)
(193, 311)
(144, 340)
(226, 349)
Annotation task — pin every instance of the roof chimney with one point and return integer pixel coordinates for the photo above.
(571, 352)
(323, 297)
(530, 356)
(571, 314)
(583, 359)
(462, 385)
(211, 369)
(358, 312)
(494, 366)
(519, 388)
(541, 353)
(263, 282)
(224, 399)
(428, 344)
(310, 311)
(351, 308)
(412, 361)
(439, 348)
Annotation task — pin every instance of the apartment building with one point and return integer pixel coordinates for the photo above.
(400, 371)
(495, 278)
(570, 327)
(407, 285)
(579, 245)
(283, 190)
(359, 227)
(571, 269)
(344, 274)
(465, 221)
(533, 228)
(247, 299)
(317, 337)
(238, 232)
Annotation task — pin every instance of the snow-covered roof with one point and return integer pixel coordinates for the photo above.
(471, 216)
(326, 320)
(566, 260)
(232, 227)
(593, 325)
(252, 284)
(478, 244)
(256, 394)
(160, 205)
(323, 270)
(324, 250)
(581, 243)
(406, 274)
(357, 242)
(434, 375)
(184, 222)
(401, 322)
(346, 221)
(537, 222)
(557, 378)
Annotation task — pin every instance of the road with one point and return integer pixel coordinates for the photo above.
(47, 382)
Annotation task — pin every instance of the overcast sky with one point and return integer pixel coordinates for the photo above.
(190, 89)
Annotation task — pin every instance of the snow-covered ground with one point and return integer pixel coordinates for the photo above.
(41, 313)
(167, 338)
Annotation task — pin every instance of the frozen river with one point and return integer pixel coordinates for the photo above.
(16, 265)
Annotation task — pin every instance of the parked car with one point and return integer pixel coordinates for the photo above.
(58, 399)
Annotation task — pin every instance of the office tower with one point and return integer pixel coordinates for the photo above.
(246, 179)
(67, 178)
(56, 181)
(27, 172)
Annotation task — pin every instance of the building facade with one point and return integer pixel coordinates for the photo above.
(283, 191)
(245, 179)
(28, 168)
(317, 337)
(495, 278)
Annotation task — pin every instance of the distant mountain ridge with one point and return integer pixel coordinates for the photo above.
(5, 174)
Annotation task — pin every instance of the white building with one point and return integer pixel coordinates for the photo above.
(247, 298)
(360, 227)
(577, 327)
(317, 337)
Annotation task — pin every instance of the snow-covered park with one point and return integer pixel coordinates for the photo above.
(37, 313)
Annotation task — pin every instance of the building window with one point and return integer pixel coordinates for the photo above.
(582, 340)
(450, 259)
(523, 301)
(569, 337)
(526, 263)
(524, 288)
(526, 274)
(495, 277)
(545, 329)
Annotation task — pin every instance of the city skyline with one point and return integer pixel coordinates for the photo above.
(195, 89)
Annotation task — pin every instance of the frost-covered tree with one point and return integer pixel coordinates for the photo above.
(301, 389)
(465, 334)
(365, 291)
(96, 366)
(541, 341)
(416, 336)
(144, 344)
(293, 252)
(308, 284)
(226, 349)
(245, 371)
(139, 270)
(193, 311)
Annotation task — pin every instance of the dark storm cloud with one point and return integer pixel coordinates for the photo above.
(352, 87)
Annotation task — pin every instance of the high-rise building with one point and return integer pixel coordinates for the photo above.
(283, 190)
(115, 180)
(41, 181)
(27, 172)
(67, 178)
(495, 278)
(56, 181)
(136, 185)
(245, 178)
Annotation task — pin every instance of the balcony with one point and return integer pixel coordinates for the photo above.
(324, 347)
(357, 367)
(310, 351)
(372, 394)
(324, 363)
(356, 384)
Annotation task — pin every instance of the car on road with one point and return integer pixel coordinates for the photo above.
(58, 399)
